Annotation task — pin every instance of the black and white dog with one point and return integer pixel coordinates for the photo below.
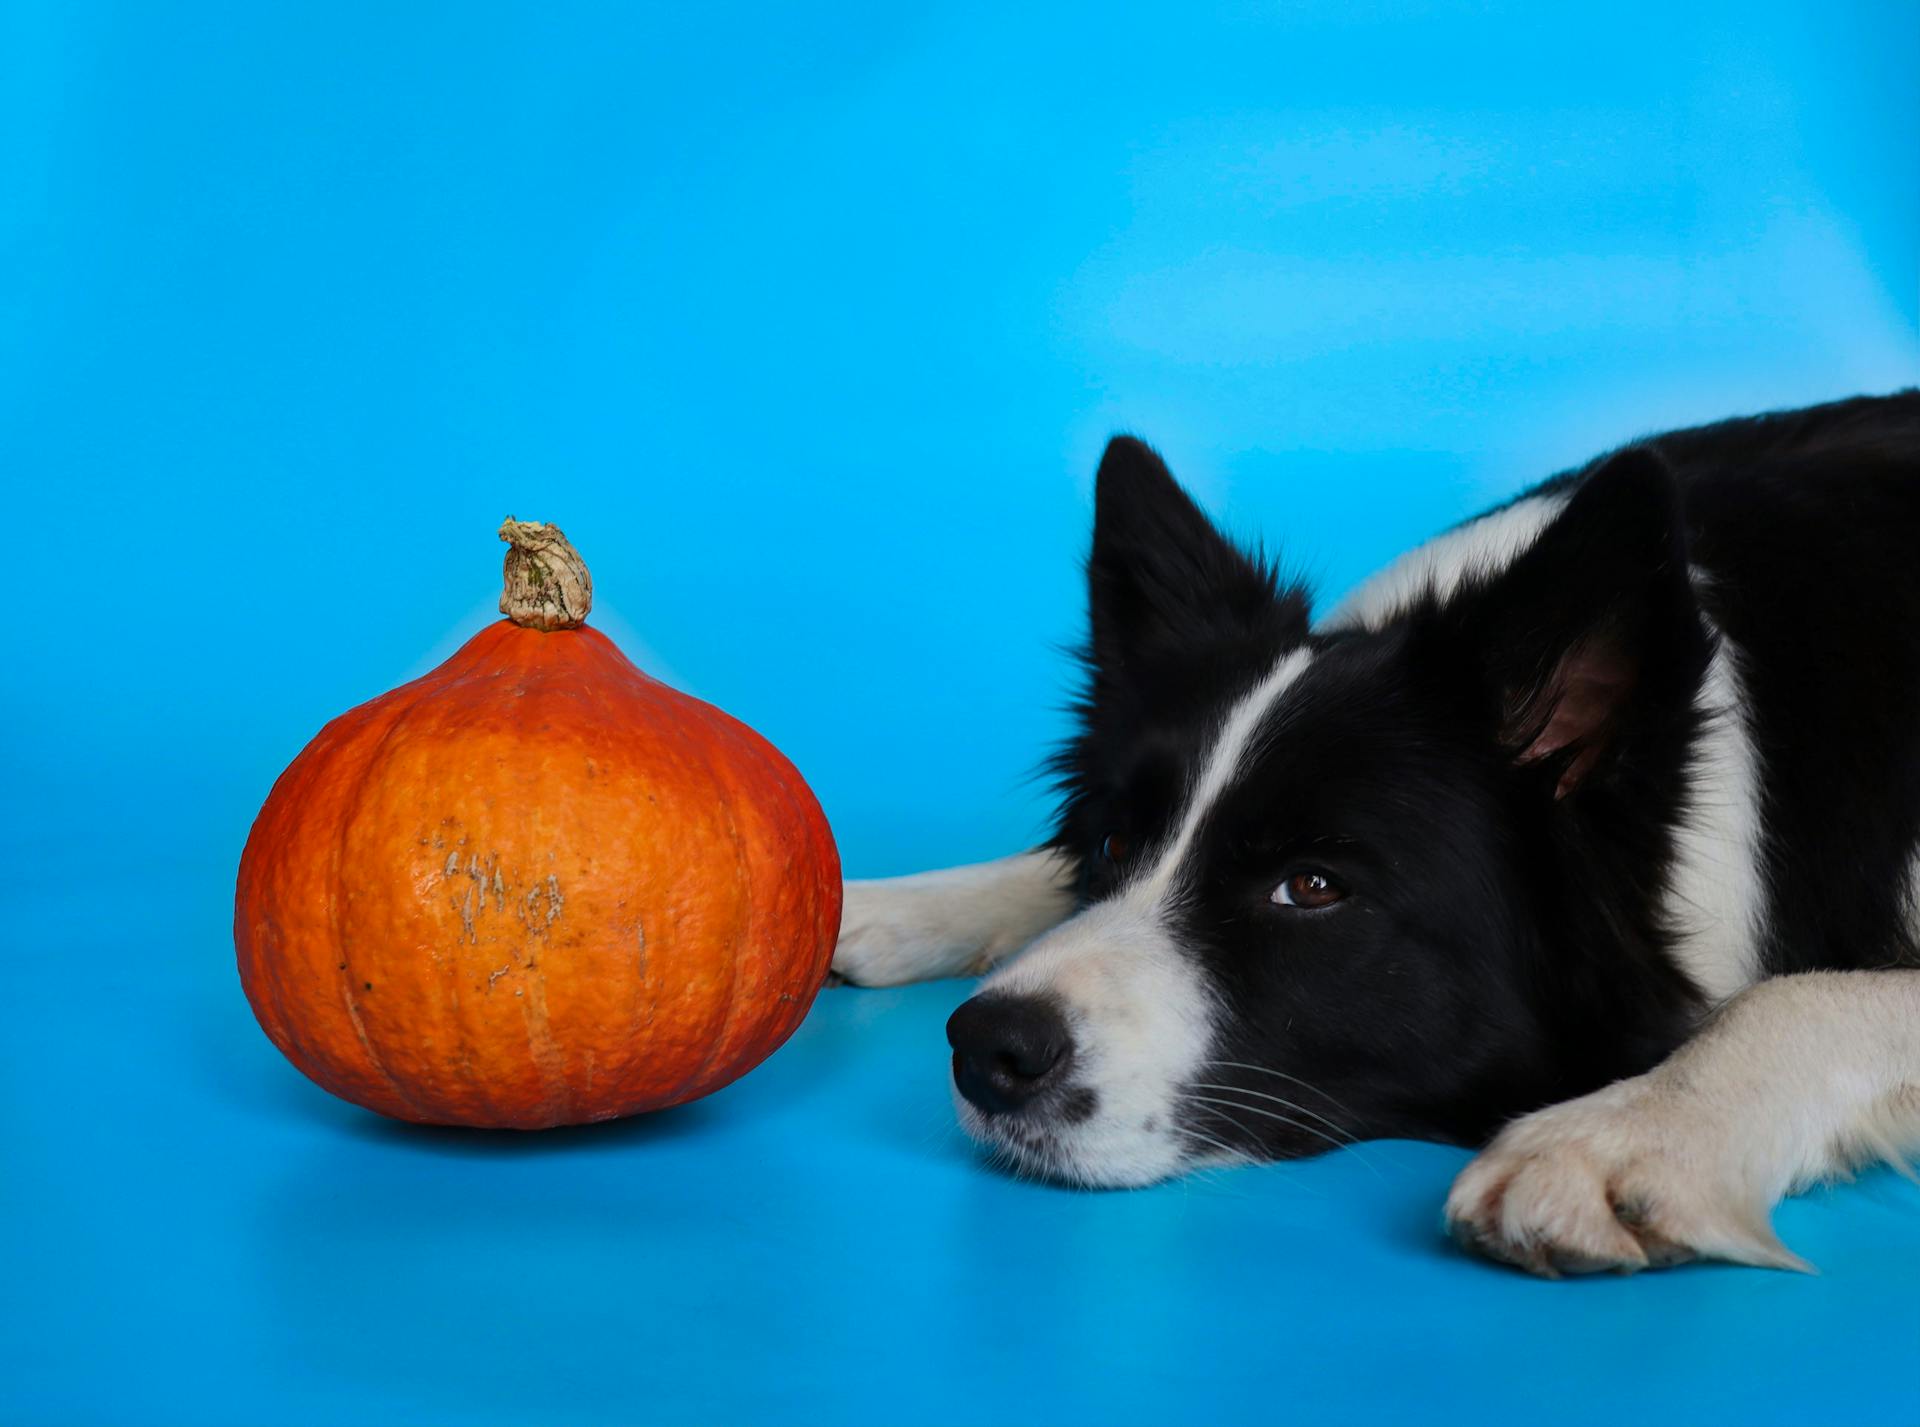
(1607, 802)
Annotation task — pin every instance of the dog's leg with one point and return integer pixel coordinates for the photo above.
(1797, 1079)
(953, 923)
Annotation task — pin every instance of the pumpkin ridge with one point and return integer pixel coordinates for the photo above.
(814, 839)
(743, 921)
(287, 816)
(548, 1058)
(693, 751)
(770, 763)
(457, 675)
(275, 990)
(643, 1006)
(361, 783)
(280, 992)
(264, 971)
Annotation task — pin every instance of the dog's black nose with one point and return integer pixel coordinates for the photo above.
(1006, 1049)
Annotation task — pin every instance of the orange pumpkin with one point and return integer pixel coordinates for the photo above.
(535, 887)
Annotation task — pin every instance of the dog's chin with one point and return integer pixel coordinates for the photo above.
(1084, 1155)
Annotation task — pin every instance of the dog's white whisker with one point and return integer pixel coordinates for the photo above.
(1273, 1115)
(1350, 1143)
(1282, 1075)
(1234, 1154)
(1347, 1136)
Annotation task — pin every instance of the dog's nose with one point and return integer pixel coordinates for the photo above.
(1006, 1049)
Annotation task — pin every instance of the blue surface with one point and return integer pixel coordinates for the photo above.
(808, 326)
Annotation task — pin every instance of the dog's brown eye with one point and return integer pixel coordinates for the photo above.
(1308, 890)
(1114, 848)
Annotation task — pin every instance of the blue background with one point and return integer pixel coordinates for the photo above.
(808, 325)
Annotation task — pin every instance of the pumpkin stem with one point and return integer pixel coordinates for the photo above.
(547, 584)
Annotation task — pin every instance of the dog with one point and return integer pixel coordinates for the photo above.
(1587, 833)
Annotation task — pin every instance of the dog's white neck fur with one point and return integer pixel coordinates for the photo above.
(1477, 549)
(1718, 887)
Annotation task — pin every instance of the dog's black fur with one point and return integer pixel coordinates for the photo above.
(1494, 775)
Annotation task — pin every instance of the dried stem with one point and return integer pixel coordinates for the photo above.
(547, 584)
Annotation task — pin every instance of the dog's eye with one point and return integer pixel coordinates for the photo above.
(1308, 891)
(1114, 849)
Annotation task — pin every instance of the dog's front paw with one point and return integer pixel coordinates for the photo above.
(900, 930)
(1627, 1178)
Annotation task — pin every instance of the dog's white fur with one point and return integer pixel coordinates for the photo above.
(1141, 1017)
(1480, 547)
(1717, 883)
(960, 921)
(1793, 1080)
(1796, 1080)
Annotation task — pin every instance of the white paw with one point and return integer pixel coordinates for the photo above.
(904, 929)
(1630, 1177)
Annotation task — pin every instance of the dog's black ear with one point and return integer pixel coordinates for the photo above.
(1593, 633)
(1162, 579)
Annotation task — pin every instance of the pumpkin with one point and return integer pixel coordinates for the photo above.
(535, 887)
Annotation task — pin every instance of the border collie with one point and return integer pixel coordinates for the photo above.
(1588, 832)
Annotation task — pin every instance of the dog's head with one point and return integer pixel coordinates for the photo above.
(1340, 883)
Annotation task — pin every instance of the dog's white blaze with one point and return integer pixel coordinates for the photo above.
(1479, 548)
(1141, 1013)
(1226, 758)
(1718, 888)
